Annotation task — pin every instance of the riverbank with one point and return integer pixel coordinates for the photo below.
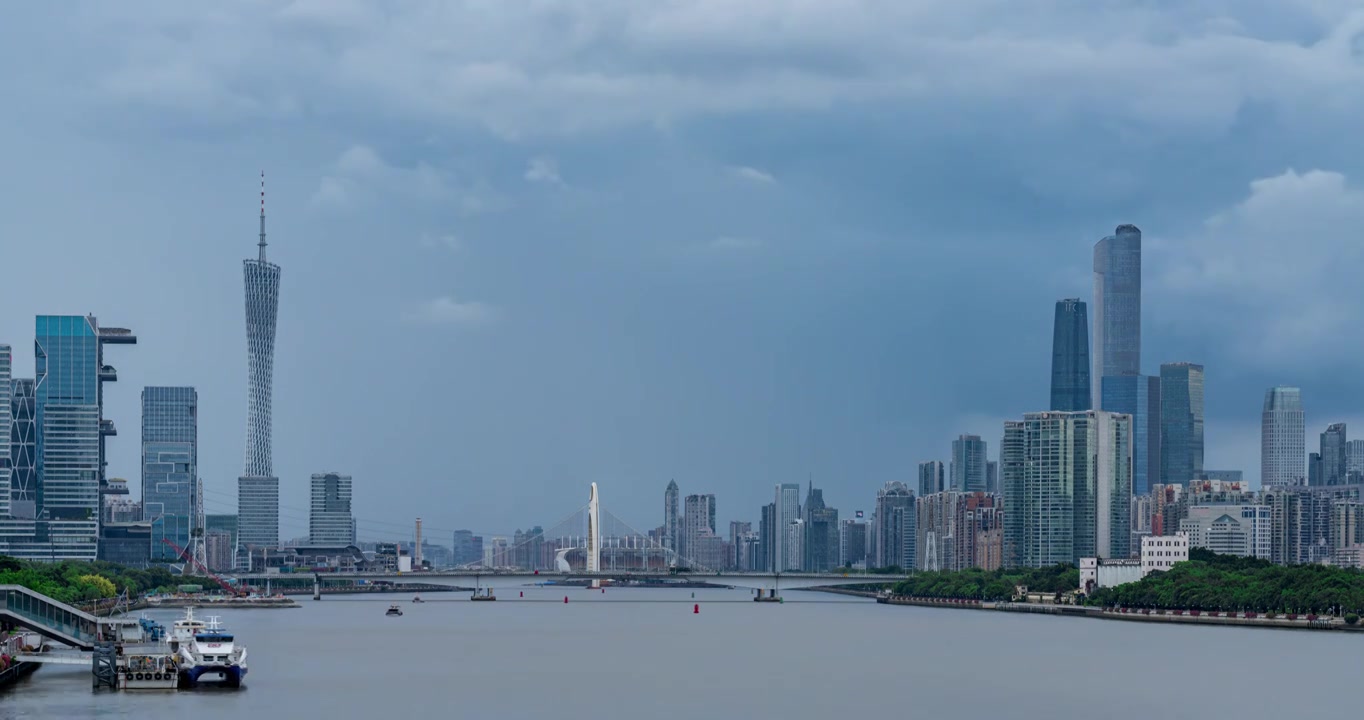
(1176, 617)
(12, 672)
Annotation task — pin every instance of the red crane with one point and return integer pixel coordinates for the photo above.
(188, 557)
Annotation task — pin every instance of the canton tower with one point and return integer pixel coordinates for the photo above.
(258, 488)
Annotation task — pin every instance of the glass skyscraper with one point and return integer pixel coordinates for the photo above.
(1139, 397)
(1283, 440)
(1070, 385)
(969, 460)
(788, 511)
(67, 365)
(23, 449)
(1335, 455)
(170, 461)
(330, 522)
(6, 415)
(1117, 307)
(932, 480)
(1181, 422)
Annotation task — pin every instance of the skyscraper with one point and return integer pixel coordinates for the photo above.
(1117, 307)
(1070, 385)
(170, 462)
(330, 522)
(1335, 455)
(931, 478)
(1181, 422)
(821, 533)
(23, 449)
(969, 464)
(1013, 489)
(767, 541)
(671, 523)
(258, 488)
(788, 511)
(1283, 443)
(1071, 496)
(1354, 456)
(1139, 397)
(698, 520)
(894, 508)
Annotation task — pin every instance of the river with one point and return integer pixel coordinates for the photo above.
(636, 653)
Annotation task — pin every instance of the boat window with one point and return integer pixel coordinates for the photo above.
(213, 638)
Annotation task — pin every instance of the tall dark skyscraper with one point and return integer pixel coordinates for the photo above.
(672, 517)
(1117, 307)
(258, 488)
(1070, 385)
(1181, 422)
(170, 462)
(1138, 396)
(932, 479)
(1335, 455)
(969, 464)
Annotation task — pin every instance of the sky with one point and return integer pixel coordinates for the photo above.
(529, 246)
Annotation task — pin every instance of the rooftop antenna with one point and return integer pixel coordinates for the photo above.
(262, 216)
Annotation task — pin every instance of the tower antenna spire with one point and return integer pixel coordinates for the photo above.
(261, 244)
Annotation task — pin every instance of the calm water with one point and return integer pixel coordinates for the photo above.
(643, 653)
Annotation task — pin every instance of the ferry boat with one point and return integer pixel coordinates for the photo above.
(183, 631)
(418, 599)
(148, 672)
(211, 657)
(394, 611)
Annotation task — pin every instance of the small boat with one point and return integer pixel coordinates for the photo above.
(485, 595)
(418, 599)
(394, 611)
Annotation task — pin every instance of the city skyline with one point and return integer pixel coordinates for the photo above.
(772, 310)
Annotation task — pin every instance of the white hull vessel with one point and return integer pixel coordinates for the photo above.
(207, 654)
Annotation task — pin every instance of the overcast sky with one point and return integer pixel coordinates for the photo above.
(531, 245)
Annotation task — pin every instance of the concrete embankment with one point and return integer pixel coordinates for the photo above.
(13, 671)
(1173, 617)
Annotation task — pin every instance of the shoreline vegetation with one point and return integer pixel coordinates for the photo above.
(1207, 589)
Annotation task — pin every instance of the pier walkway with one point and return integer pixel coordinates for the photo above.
(56, 620)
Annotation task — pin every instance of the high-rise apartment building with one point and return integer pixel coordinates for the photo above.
(852, 544)
(1181, 422)
(1070, 383)
(672, 523)
(788, 511)
(932, 479)
(330, 522)
(698, 519)
(1283, 444)
(1139, 397)
(767, 541)
(1354, 456)
(258, 488)
(1117, 307)
(893, 503)
(969, 461)
(1012, 463)
(821, 534)
(170, 461)
(218, 550)
(1071, 496)
(1335, 455)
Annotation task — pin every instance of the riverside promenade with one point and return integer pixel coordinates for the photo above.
(1149, 615)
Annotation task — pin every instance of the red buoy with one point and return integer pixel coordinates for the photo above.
(523, 593)
(696, 609)
(603, 591)
(565, 599)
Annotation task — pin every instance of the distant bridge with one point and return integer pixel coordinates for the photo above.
(486, 578)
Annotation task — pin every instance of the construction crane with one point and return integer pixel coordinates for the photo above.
(187, 557)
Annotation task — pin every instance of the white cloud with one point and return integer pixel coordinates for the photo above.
(550, 68)
(360, 173)
(445, 310)
(734, 243)
(543, 170)
(1269, 272)
(751, 174)
(448, 241)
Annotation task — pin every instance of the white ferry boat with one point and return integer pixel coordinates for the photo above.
(210, 655)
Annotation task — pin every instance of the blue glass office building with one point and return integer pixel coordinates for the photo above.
(1138, 396)
(67, 365)
(1117, 307)
(1070, 387)
(1181, 422)
(170, 449)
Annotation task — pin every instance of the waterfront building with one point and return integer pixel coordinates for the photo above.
(698, 518)
(767, 541)
(23, 449)
(1282, 438)
(129, 544)
(889, 525)
(1181, 422)
(1117, 309)
(794, 545)
(170, 450)
(788, 510)
(1071, 497)
(1098, 573)
(821, 534)
(1335, 455)
(6, 417)
(1012, 464)
(932, 479)
(1070, 383)
(1244, 529)
(330, 522)
(1347, 524)
(1139, 397)
(222, 523)
(968, 464)
(258, 488)
(672, 522)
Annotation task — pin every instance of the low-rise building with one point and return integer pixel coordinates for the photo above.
(1161, 553)
(1101, 573)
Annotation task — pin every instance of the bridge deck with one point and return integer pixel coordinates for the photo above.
(49, 618)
